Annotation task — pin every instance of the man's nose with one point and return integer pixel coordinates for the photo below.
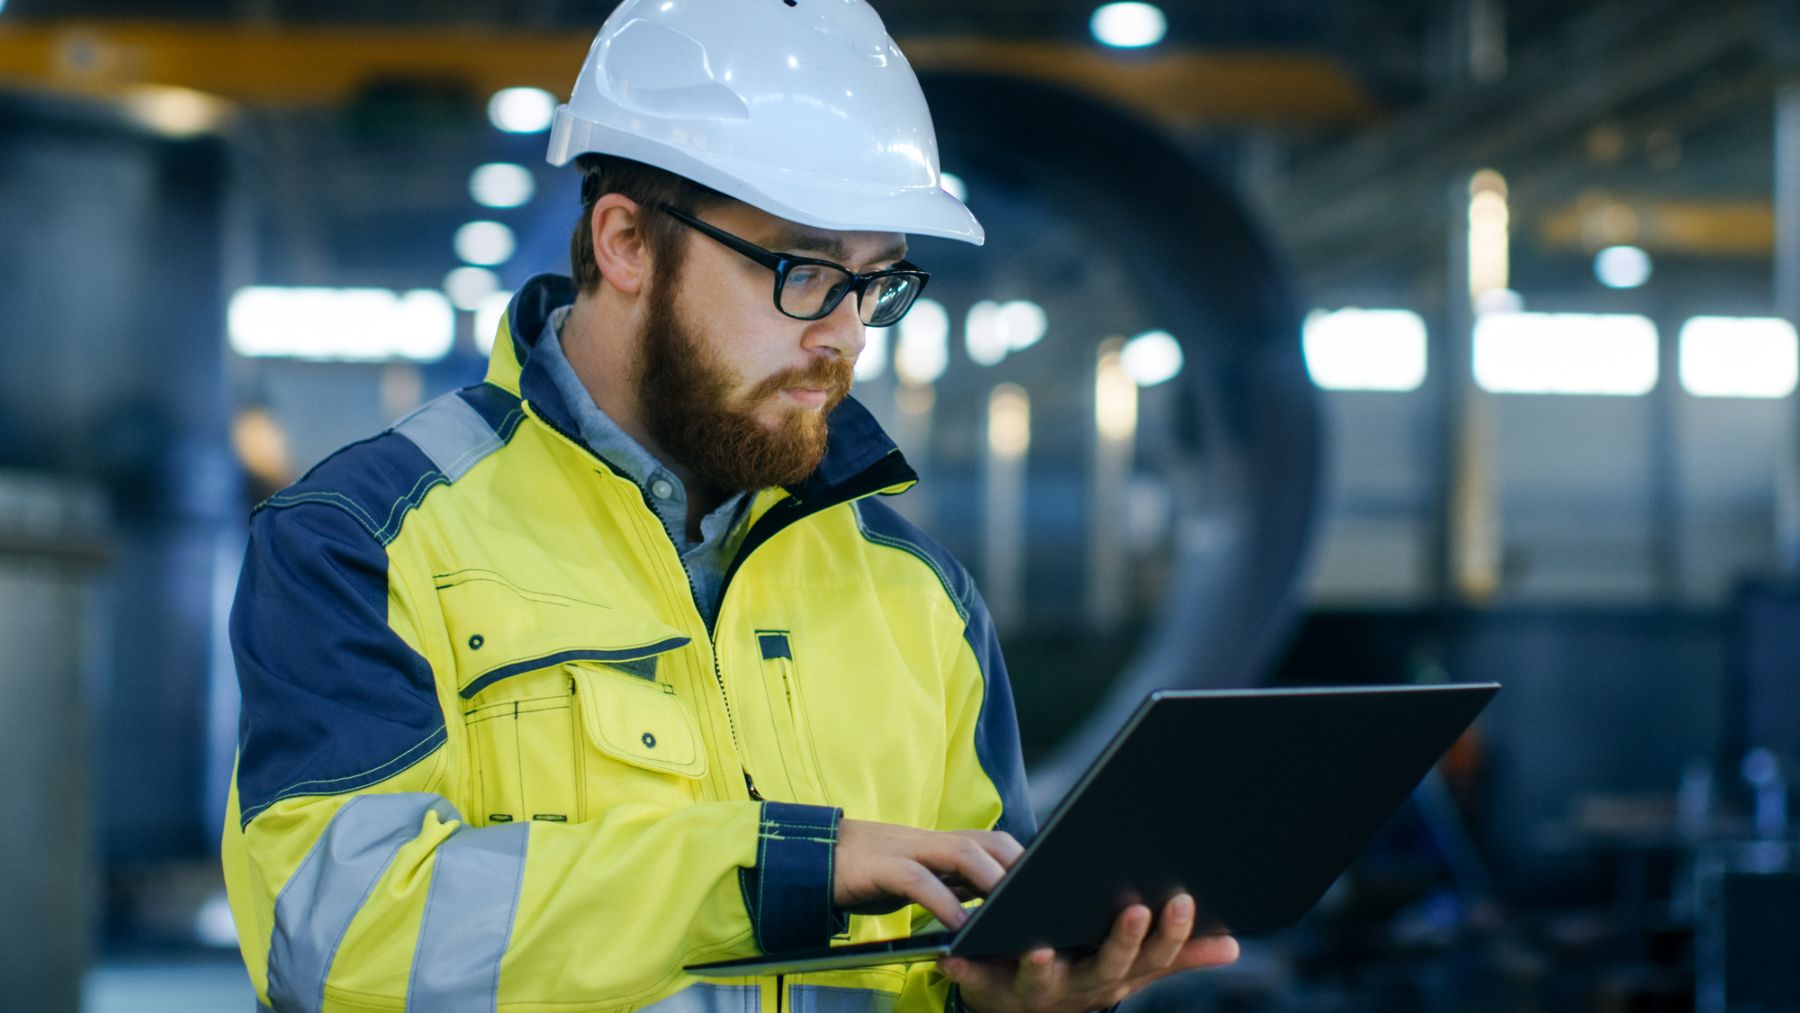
(841, 331)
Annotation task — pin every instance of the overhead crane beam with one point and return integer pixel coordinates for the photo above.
(1369, 187)
(305, 65)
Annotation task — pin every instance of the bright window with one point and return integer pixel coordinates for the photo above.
(1739, 357)
(923, 350)
(1358, 349)
(1565, 353)
(874, 358)
(348, 324)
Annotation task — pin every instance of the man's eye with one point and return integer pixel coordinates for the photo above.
(805, 277)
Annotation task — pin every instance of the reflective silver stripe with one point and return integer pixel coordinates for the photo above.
(450, 432)
(316, 906)
(825, 999)
(709, 998)
(468, 921)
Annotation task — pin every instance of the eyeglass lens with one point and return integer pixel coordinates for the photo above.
(809, 288)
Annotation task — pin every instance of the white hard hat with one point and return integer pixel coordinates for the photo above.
(803, 108)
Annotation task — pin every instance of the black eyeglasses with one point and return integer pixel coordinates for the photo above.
(808, 289)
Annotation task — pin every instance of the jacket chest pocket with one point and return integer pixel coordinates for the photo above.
(644, 741)
(524, 752)
(563, 713)
(796, 750)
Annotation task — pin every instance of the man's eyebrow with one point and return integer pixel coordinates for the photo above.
(828, 247)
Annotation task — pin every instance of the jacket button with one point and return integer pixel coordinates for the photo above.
(476, 641)
(662, 488)
(649, 741)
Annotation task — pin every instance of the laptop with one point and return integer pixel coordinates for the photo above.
(1253, 801)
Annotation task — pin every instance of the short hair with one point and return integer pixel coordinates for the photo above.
(647, 186)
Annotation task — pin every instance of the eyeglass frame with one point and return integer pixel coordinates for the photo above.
(782, 263)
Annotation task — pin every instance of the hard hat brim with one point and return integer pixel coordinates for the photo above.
(795, 194)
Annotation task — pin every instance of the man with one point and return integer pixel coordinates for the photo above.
(616, 662)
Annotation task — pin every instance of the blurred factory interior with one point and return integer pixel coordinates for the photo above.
(1315, 341)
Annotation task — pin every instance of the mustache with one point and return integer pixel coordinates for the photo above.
(833, 375)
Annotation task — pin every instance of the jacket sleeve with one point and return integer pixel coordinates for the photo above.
(984, 772)
(355, 882)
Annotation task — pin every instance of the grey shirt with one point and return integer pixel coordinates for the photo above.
(721, 531)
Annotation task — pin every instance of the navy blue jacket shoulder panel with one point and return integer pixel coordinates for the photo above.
(333, 698)
(378, 480)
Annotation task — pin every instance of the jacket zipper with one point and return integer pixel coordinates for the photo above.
(890, 470)
(711, 638)
(730, 724)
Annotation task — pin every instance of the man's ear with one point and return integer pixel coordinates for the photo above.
(619, 248)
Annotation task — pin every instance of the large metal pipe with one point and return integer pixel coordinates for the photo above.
(1247, 449)
(114, 355)
(50, 546)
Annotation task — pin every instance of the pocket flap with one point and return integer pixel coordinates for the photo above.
(498, 629)
(639, 722)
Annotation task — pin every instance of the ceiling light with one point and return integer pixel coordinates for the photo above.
(1115, 396)
(1009, 421)
(1151, 358)
(175, 112)
(982, 336)
(468, 286)
(485, 243)
(1622, 267)
(502, 185)
(1129, 25)
(994, 330)
(522, 110)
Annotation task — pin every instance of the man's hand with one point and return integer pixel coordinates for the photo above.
(1043, 981)
(882, 867)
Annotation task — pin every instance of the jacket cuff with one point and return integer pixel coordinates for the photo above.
(789, 892)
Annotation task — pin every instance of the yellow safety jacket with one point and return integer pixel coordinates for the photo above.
(492, 758)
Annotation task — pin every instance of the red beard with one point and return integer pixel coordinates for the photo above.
(686, 401)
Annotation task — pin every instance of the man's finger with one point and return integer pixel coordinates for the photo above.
(1206, 951)
(1005, 848)
(953, 853)
(1120, 950)
(916, 883)
(1037, 972)
(1164, 944)
(984, 975)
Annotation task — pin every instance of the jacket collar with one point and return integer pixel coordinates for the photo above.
(855, 444)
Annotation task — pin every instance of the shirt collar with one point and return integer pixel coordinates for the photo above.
(598, 430)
